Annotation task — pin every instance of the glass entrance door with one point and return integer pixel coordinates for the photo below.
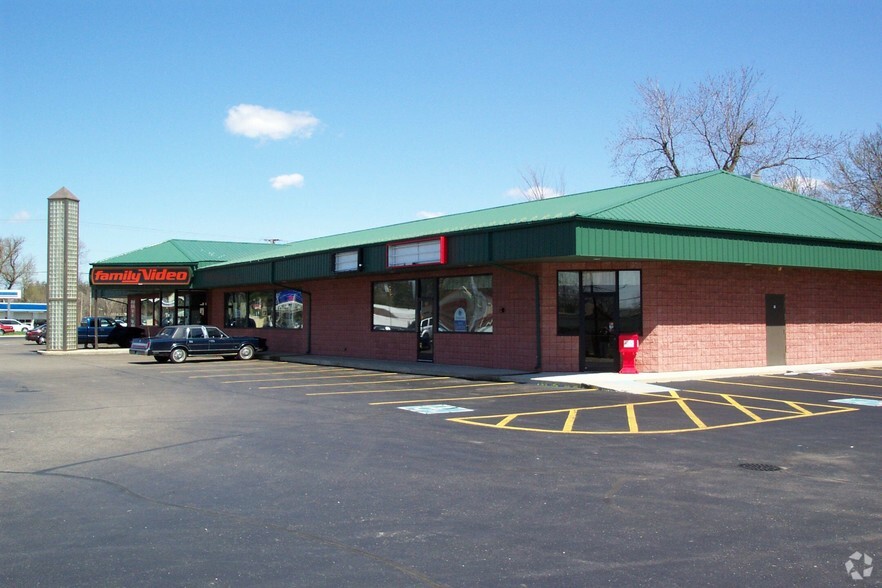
(599, 318)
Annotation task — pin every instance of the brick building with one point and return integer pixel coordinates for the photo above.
(711, 270)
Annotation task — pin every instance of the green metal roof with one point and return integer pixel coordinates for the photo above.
(715, 201)
(184, 252)
(712, 216)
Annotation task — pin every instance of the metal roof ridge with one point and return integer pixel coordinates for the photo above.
(687, 179)
(840, 211)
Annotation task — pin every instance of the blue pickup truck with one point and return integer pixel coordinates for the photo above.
(106, 330)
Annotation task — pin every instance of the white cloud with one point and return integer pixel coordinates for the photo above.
(287, 181)
(429, 214)
(21, 216)
(257, 122)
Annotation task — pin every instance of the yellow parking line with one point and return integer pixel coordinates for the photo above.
(741, 407)
(790, 389)
(854, 375)
(506, 420)
(504, 424)
(632, 419)
(189, 371)
(749, 408)
(340, 384)
(279, 370)
(571, 419)
(465, 398)
(827, 381)
(250, 380)
(798, 407)
(685, 408)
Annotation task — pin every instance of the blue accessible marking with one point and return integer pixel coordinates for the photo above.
(435, 408)
(859, 401)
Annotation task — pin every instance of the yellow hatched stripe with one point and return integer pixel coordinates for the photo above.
(828, 381)
(571, 420)
(788, 388)
(798, 407)
(688, 411)
(741, 407)
(632, 419)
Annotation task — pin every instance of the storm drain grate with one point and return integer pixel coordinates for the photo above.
(760, 467)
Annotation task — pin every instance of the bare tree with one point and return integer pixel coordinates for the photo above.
(535, 186)
(15, 266)
(650, 142)
(857, 176)
(727, 122)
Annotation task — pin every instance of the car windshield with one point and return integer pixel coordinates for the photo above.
(167, 332)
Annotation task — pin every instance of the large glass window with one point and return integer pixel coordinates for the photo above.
(289, 309)
(260, 308)
(150, 310)
(625, 285)
(263, 309)
(168, 309)
(568, 303)
(394, 305)
(465, 304)
(236, 309)
(630, 302)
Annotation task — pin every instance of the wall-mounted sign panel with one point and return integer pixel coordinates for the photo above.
(140, 276)
(423, 252)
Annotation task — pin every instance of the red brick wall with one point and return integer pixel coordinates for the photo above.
(707, 316)
(342, 318)
(695, 316)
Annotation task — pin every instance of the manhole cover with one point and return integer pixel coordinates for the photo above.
(760, 467)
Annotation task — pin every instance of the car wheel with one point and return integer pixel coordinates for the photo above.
(161, 358)
(41, 340)
(246, 352)
(178, 355)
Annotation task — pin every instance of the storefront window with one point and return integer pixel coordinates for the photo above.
(260, 309)
(150, 311)
(465, 304)
(264, 309)
(630, 302)
(394, 306)
(168, 309)
(236, 309)
(289, 309)
(568, 303)
(623, 287)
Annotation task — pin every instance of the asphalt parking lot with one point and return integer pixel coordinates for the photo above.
(118, 471)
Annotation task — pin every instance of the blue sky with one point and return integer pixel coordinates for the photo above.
(254, 119)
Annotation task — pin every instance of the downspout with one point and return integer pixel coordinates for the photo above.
(308, 306)
(538, 308)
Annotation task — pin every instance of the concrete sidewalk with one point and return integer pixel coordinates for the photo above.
(649, 382)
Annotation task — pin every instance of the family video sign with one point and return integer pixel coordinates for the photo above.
(140, 276)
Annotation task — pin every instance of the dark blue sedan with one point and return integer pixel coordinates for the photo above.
(179, 342)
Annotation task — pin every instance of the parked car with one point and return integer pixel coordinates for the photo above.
(17, 326)
(178, 342)
(107, 331)
(37, 335)
(6, 328)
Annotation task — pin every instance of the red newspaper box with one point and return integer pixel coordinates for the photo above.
(628, 345)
